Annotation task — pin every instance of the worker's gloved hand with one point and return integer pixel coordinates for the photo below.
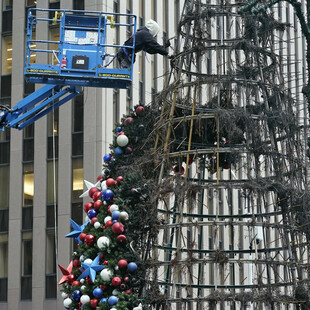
(167, 44)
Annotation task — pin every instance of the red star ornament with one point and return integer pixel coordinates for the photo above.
(65, 272)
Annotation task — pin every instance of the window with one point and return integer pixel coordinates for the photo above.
(31, 3)
(54, 36)
(50, 216)
(6, 55)
(27, 220)
(28, 185)
(3, 267)
(77, 126)
(77, 178)
(78, 5)
(116, 113)
(7, 21)
(52, 128)
(5, 187)
(4, 152)
(52, 177)
(7, 5)
(26, 279)
(51, 282)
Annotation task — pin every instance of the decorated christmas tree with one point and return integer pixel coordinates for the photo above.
(107, 270)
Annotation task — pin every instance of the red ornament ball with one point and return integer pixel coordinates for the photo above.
(139, 110)
(122, 264)
(126, 279)
(128, 120)
(94, 303)
(108, 223)
(93, 220)
(116, 281)
(99, 178)
(110, 182)
(128, 291)
(122, 286)
(105, 262)
(70, 278)
(89, 240)
(76, 262)
(75, 283)
(121, 238)
(103, 227)
(118, 228)
(98, 204)
(92, 191)
(88, 206)
(96, 196)
(120, 179)
(82, 236)
(103, 287)
(121, 133)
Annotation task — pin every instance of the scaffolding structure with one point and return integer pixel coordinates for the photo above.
(233, 200)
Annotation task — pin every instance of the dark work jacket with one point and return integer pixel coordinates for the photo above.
(145, 42)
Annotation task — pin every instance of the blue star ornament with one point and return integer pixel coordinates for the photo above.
(77, 229)
(91, 269)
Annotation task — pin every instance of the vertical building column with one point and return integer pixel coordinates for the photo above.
(40, 180)
(15, 214)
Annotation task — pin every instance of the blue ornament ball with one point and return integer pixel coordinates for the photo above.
(98, 292)
(119, 129)
(115, 215)
(103, 300)
(118, 151)
(107, 157)
(114, 221)
(76, 295)
(107, 194)
(92, 213)
(112, 300)
(132, 267)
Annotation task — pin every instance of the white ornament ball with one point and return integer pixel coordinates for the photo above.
(107, 218)
(88, 261)
(82, 257)
(116, 268)
(84, 299)
(82, 281)
(86, 219)
(83, 287)
(103, 185)
(103, 242)
(113, 309)
(106, 275)
(113, 208)
(115, 292)
(67, 302)
(97, 225)
(64, 295)
(123, 216)
(122, 140)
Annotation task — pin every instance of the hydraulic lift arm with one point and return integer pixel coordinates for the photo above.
(36, 105)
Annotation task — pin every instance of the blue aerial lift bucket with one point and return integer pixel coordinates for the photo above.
(86, 45)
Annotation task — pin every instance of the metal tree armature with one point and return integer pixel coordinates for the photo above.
(232, 195)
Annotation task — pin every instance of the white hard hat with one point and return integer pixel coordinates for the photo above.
(153, 27)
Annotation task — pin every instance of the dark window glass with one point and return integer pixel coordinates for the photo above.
(77, 144)
(26, 287)
(7, 21)
(78, 112)
(77, 213)
(50, 286)
(53, 6)
(50, 146)
(78, 5)
(4, 152)
(6, 83)
(4, 220)
(5, 186)
(29, 88)
(28, 150)
(29, 131)
(3, 289)
(50, 216)
(141, 93)
(27, 220)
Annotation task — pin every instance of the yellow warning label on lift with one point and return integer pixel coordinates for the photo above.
(42, 71)
(124, 76)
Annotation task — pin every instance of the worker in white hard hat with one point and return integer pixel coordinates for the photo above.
(144, 41)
